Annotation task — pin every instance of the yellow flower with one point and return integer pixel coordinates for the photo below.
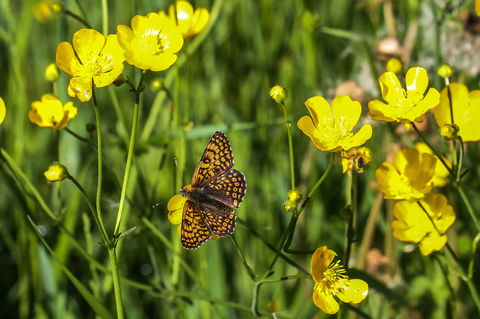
(3, 110)
(466, 111)
(330, 280)
(477, 7)
(175, 212)
(51, 72)
(152, 43)
(49, 112)
(42, 11)
(354, 158)
(190, 23)
(404, 106)
(411, 178)
(394, 65)
(56, 172)
(101, 61)
(413, 224)
(334, 133)
(440, 171)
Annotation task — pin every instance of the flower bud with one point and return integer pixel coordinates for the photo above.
(51, 72)
(394, 65)
(445, 71)
(119, 81)
(57, 7)
(366, 154)
(157, 84)
(289, 206)
(449, 132)
(278, 93)
(295, 196)
(56, 172)
(310, 21)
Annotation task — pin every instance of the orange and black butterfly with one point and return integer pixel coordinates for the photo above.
(216, 190)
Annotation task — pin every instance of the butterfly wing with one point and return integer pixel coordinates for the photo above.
(195, 230)
(228, 188)
(216, 159)
(221, 222)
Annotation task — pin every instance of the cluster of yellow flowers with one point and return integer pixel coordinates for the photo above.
(150, 44)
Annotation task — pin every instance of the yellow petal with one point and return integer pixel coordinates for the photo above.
(305, 124)
(477, 7)
(355, 291)
(343, 106)
(199, 20)
(3, 110)
(172, 37)
(72, 110)
(392, 91)
(380, 111)
(151, 24)
(161, 62)
(80, 88)
(184, 16)
(416, 80)
(114, 68)
(318, 108)
(325, 302)
(66, 59)
(442, 214)
(432, 242)
(321, 259)
(88, 43)
(358, 139)
(179, 230)
(125, 37)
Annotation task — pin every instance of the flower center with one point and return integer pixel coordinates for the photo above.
(152, 42)
(409, 101)
(332, 130)
(335, 279)
(96, 65)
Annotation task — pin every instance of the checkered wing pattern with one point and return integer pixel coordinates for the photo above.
(228, 188)
(195, 230)
(216, 159)
(222, 223)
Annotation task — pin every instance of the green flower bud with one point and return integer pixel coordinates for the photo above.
(295, 196)
(445, 71)
(278, 93)
(289, 206)
(56, 172)
(449, 132)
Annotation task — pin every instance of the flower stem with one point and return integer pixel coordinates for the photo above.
(130, 153)
(350, 218)
(460, 160)
(440, 158)
(248, 269)
(469, 206)
(452, 300)
(83, 139)
(77, 17)
(105, 17)
(99, 160)
(91, 206)
(116, 281)
(290, 144)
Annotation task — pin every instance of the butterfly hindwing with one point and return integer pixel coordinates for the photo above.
(222, 223)
(216, 159)
(228, 188)
(195, 230)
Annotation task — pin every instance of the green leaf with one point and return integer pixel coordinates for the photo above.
(92, 301)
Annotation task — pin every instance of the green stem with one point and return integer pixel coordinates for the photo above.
(290, 144)
(130, 153)
(105, 17)
(86, 140)
(99, 152)
(91, 206)
(116, 281)
(436, 49)
(248, 269)
(470, 284)
(469, 206)
(440, 158)
(77, 17)
(351, 220)
(460, 160)
(452, 299)
(295, 216)
(447, 82)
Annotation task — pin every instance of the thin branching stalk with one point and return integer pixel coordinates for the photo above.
(290, 145)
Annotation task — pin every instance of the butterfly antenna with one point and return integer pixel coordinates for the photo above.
(178, 170)
(163, 201)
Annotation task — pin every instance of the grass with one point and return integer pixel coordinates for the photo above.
(52, 266)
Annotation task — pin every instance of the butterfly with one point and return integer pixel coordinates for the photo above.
(216, 190)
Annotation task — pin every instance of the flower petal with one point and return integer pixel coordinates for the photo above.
(199, 20)
(392, 91)
(355, 291)
(172, 38)
(125, 37)
(113, 67)
(80, 88)
(3, 110)
(325, 302)
(358, 139)
(343, 106)
(318, 108)
(66, 59)
(380, 111)
(88, 43)
(416, 80)
(321, 259)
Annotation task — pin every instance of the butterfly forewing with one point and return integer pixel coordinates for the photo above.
(228, 188)
(216, 159)
(195, 230)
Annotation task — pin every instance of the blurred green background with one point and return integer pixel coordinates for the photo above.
(310, 48)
